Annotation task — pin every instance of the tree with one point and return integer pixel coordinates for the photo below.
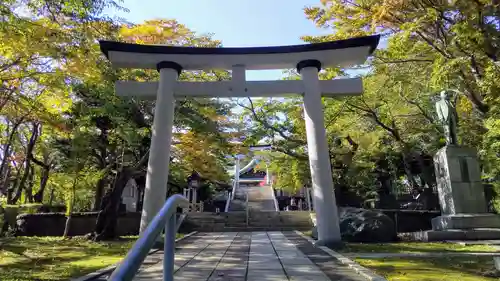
(55, 79)
(458, 39)
(427, 46)
(119, 128)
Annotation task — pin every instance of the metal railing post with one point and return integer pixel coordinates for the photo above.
(169, 250)
(228, 201)
(246, 203)
(164, 219)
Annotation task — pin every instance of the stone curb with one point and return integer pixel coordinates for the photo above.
(106, 270)
(363, 271)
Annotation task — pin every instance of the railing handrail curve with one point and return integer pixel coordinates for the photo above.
(233, 192)
(228, 201)
(128, 268)
(276, 205)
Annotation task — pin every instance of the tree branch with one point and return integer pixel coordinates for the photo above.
(373, 115)
(288, 152)
(268, 126)
(38, 162)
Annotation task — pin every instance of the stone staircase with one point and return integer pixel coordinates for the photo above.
(237, 221)
(260, 198)
(259, 215)
(239, 201)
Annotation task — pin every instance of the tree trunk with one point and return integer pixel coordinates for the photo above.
(27, 170)
(108, 216)
(17, 189)
(11, 196)
(46, 165)
(4, 181)
(99, 192)
(51, 198)
(67, 226)
(38, 197)
(71, 207)
(29, 185)
(6, 148)
(101, 184)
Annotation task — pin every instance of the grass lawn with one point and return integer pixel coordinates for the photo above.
(433, 269)
(52, 258)
(469, 268)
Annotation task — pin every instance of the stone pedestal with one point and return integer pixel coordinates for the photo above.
(459, 181)
(461, 196)
(466, 221)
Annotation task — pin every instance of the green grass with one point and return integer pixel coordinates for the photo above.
(467, 268)
(413, 247)
(433, 269)
(53, 258)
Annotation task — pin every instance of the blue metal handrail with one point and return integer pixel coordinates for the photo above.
(165, 219)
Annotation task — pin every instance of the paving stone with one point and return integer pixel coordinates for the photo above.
(266, 274)
(227, 278)
(263, 265)
(191, 274)
(326, 263)
(271, 256)
(232, 266)
(303, 270)
(296, 261)
(241, 272)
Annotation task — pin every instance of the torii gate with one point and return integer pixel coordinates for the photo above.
(308, 59)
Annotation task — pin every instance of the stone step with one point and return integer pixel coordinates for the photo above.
(267, 220)
(241, 223)
(255, 228)
(466, 221)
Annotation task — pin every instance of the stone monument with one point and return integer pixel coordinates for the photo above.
(463, 205)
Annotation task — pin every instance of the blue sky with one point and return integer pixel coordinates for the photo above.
(237, 23)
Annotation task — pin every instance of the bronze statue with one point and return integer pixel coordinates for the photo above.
(448, 117)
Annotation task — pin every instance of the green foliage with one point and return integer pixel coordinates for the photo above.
(426, 47)
(58, 92)
(291, 173)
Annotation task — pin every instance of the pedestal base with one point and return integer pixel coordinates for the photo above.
(455, 234)
(461, 227)
(466, 221)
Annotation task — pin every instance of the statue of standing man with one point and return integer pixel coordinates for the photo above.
(448, 117)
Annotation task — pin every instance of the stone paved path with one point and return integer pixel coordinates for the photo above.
(251, 256)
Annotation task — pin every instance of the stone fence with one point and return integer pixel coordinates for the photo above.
(410, 220)
(52, 224)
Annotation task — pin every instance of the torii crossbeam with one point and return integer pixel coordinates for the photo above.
(308, 59)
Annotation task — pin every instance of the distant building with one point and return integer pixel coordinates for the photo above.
(130, 196)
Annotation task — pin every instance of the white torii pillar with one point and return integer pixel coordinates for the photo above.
(308, 58)
(236, 175)
(161, 139)
(317, 147)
